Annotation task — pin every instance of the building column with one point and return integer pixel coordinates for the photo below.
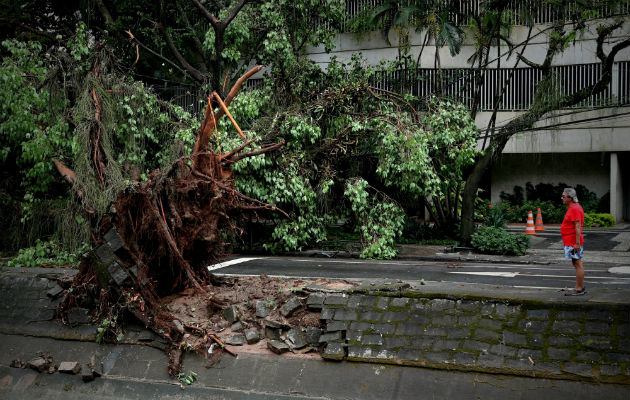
(616, 188)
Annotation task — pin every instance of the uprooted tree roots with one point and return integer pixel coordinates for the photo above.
(158, 234)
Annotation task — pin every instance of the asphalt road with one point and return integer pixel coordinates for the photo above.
(554, 276)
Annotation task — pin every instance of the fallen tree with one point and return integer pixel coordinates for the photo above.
(158, 235)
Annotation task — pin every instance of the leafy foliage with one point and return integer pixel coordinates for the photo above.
(47, 253)
(594, 219)
(379, 219)
(493, 240)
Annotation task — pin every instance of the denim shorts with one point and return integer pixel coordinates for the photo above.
(569, 253)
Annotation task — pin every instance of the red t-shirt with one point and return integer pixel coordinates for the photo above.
(567, 229)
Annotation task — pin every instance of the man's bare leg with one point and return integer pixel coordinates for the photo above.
(579, 274)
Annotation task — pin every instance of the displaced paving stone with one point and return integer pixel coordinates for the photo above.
(334, 351)
(38, 364)
(78, 316)
(276, 324)
(96, 365)
(87, 375)
(296, 338)
(236, 340)
(277, 346)
(315, 301)
(312, 335)
(54, 291)
(252, 335)
(113, 239)
(273, 333)
(178, 325)
(117, 272)
(230, 313)
(69, 367)
(262, 309)
(236, 327)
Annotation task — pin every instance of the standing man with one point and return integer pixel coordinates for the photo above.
(572, 238)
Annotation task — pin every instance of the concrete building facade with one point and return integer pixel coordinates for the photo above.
(587, 145)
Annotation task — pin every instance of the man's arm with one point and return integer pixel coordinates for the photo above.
(578, 234)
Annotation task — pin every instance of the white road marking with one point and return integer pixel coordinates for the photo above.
(501, 274)
(230, 262)
(619, 270)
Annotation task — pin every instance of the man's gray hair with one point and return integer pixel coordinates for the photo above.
(571, 193)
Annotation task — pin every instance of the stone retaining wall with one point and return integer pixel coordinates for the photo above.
(477, 334)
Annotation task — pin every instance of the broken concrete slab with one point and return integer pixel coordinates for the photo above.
(252, 335)
(236, 340)
(262, 309)
(312, 335)
(295, 338)
(273, 333)
(69, 367)
(277, 346)
(39, 364)
(290, 306)
(178, 325)
(230, 313)
(87, 375)
(54, 291)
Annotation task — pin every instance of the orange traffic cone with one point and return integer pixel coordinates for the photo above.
(539, 223)
(530, 224)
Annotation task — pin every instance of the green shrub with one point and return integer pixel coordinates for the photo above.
(492, 240)
(495, 217)
(593, 219)
(46, 253)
